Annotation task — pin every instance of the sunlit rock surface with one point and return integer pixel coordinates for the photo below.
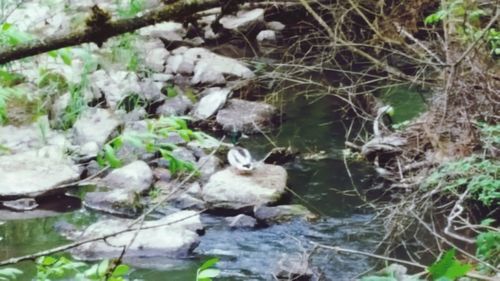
(172, 236)
(212, 100)
(230, 190)
(35, 172)
(95, 125)
(135, 177)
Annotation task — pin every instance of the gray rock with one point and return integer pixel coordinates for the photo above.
(95, 125)
(162, 174)
(231, 190)
(266, 35)
(172, 236)
(115, 85)
(242, 19)
(115, 202)
(134, 177)
(295, 268)
(185, 201)
(178, 105)
(171, 31)
(282, 213)
(246, 116)
(208, 165)
(212, 100)
(184, 154)
(275, 25)
(23, 204)
(35, 172)
(151, 90)
(19, 139)
(241, 221)
(156, 59)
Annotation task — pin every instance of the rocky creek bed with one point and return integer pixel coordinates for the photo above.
(53, 190)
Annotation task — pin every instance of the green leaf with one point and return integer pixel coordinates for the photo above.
(110, 157)
(121, 270)
(448, 268)
(10, 272)
(209, 273)
(209, 263)
(103, 268)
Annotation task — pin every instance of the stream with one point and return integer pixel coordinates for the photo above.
(249, 254)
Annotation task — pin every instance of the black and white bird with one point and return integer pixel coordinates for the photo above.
(238, 157)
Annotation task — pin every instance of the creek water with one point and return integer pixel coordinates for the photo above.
(323, 185)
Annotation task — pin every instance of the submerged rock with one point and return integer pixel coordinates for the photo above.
(229, 190)
(246, 116)
(172, 236)
(134, 177)
(35, 172)
(95, 125)
(241, 221)
(23, 204)
(282, 213)
(212, 100)
(115, 202)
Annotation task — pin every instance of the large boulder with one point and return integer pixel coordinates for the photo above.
(35, 172)
(246, 116)
(135, 177)
(230, 190)
(95, 125)
(172, 236)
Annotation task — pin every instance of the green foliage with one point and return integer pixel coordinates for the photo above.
(123, 51)
(152, 141)
(64, 54)
(53, 81)
(488, 247)
(448, 268)
(490, 135)
(55, 268)
(206, 271)
(466, 19)
(479, 176)
(9, 273)
(51, 268)
(131, 9)
(7, 93)
(10, 36)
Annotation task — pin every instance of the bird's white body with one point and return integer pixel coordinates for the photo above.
(240, 159)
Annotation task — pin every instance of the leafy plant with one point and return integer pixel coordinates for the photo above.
(9, 273)
(488, 247)
(206, 271)
(131, 9)
(48, 267)
(465, 17)
(479, 176)
(448, 268)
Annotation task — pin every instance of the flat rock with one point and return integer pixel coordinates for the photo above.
(246, 116)
(282, 213)
(115, 202)
(18, 139)
(175, 236)
(241, 221)
(134, 177)
(208, 165)
(212, 100)
(35, 172)
(210, 68)
(229, 190)
(95, 125)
